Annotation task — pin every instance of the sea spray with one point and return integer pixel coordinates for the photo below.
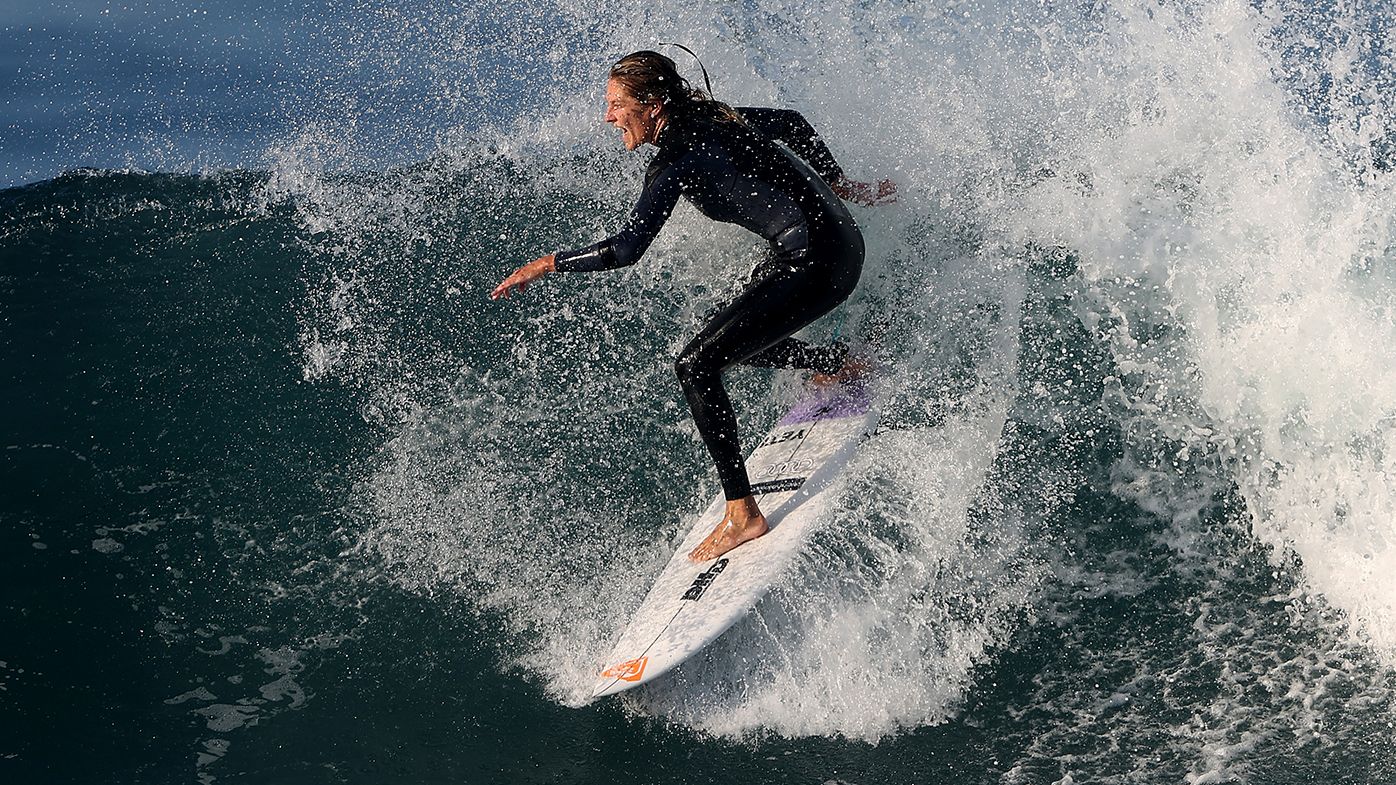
(1211, 238)
(1225, 256)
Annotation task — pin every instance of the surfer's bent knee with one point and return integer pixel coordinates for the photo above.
(685, 365)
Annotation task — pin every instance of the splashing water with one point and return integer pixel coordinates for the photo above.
(1225, 224)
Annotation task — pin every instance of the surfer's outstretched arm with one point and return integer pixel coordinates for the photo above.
(625, 247)
(619, 250)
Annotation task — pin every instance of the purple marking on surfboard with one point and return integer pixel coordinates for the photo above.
(839, 401)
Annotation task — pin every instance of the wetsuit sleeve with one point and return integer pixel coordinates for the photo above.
(628, 245)
(791, 128)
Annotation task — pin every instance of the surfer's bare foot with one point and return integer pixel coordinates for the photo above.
(854, 368)
(743, 521)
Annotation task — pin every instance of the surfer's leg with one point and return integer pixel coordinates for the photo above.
(838, 260)
(795, 353)
(700, 373)
(761, 317)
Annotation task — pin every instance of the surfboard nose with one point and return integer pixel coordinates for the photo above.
(607, 687)
(690, 605)
(620, 677)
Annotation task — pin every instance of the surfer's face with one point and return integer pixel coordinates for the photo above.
(638, 122)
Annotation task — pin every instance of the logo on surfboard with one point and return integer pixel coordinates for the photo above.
(778, 486)
(704, 580)
(630, 670)
(782, 437)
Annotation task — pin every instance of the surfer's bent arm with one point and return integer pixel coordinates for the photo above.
(627, 246)
(792, 129)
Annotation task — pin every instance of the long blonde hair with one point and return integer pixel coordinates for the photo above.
(651, 77)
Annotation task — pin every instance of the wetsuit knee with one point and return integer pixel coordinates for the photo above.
(690, 366)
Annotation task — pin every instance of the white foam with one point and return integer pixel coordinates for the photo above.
(1211, 218)
(881, 627)
(1234, 255)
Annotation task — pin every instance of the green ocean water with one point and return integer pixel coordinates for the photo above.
(286, 499)
(198, 586)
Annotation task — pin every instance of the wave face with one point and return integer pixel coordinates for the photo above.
(1132, 521)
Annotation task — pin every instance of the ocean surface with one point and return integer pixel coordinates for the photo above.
(286, 499)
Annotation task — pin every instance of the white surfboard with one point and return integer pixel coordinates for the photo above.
(692, 603)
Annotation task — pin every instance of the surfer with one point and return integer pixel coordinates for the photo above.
(724, 160)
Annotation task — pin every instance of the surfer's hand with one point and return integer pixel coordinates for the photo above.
(522, 277)
(885, 192)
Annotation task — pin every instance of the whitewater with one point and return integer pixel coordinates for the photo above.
(1130, 518)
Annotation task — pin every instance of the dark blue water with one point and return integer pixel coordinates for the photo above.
(188, 87)
(286, 499)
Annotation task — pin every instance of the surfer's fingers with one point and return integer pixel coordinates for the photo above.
(509, 283)
(886, 192)
(522, 277)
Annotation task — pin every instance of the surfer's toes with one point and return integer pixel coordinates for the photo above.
(854, 369)
(705, 551)
(727, 536)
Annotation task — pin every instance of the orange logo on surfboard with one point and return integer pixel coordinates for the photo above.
(630, 670)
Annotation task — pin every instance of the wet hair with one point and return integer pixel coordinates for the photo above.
(653, 78)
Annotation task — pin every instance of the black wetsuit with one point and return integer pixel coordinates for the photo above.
(739, 175)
